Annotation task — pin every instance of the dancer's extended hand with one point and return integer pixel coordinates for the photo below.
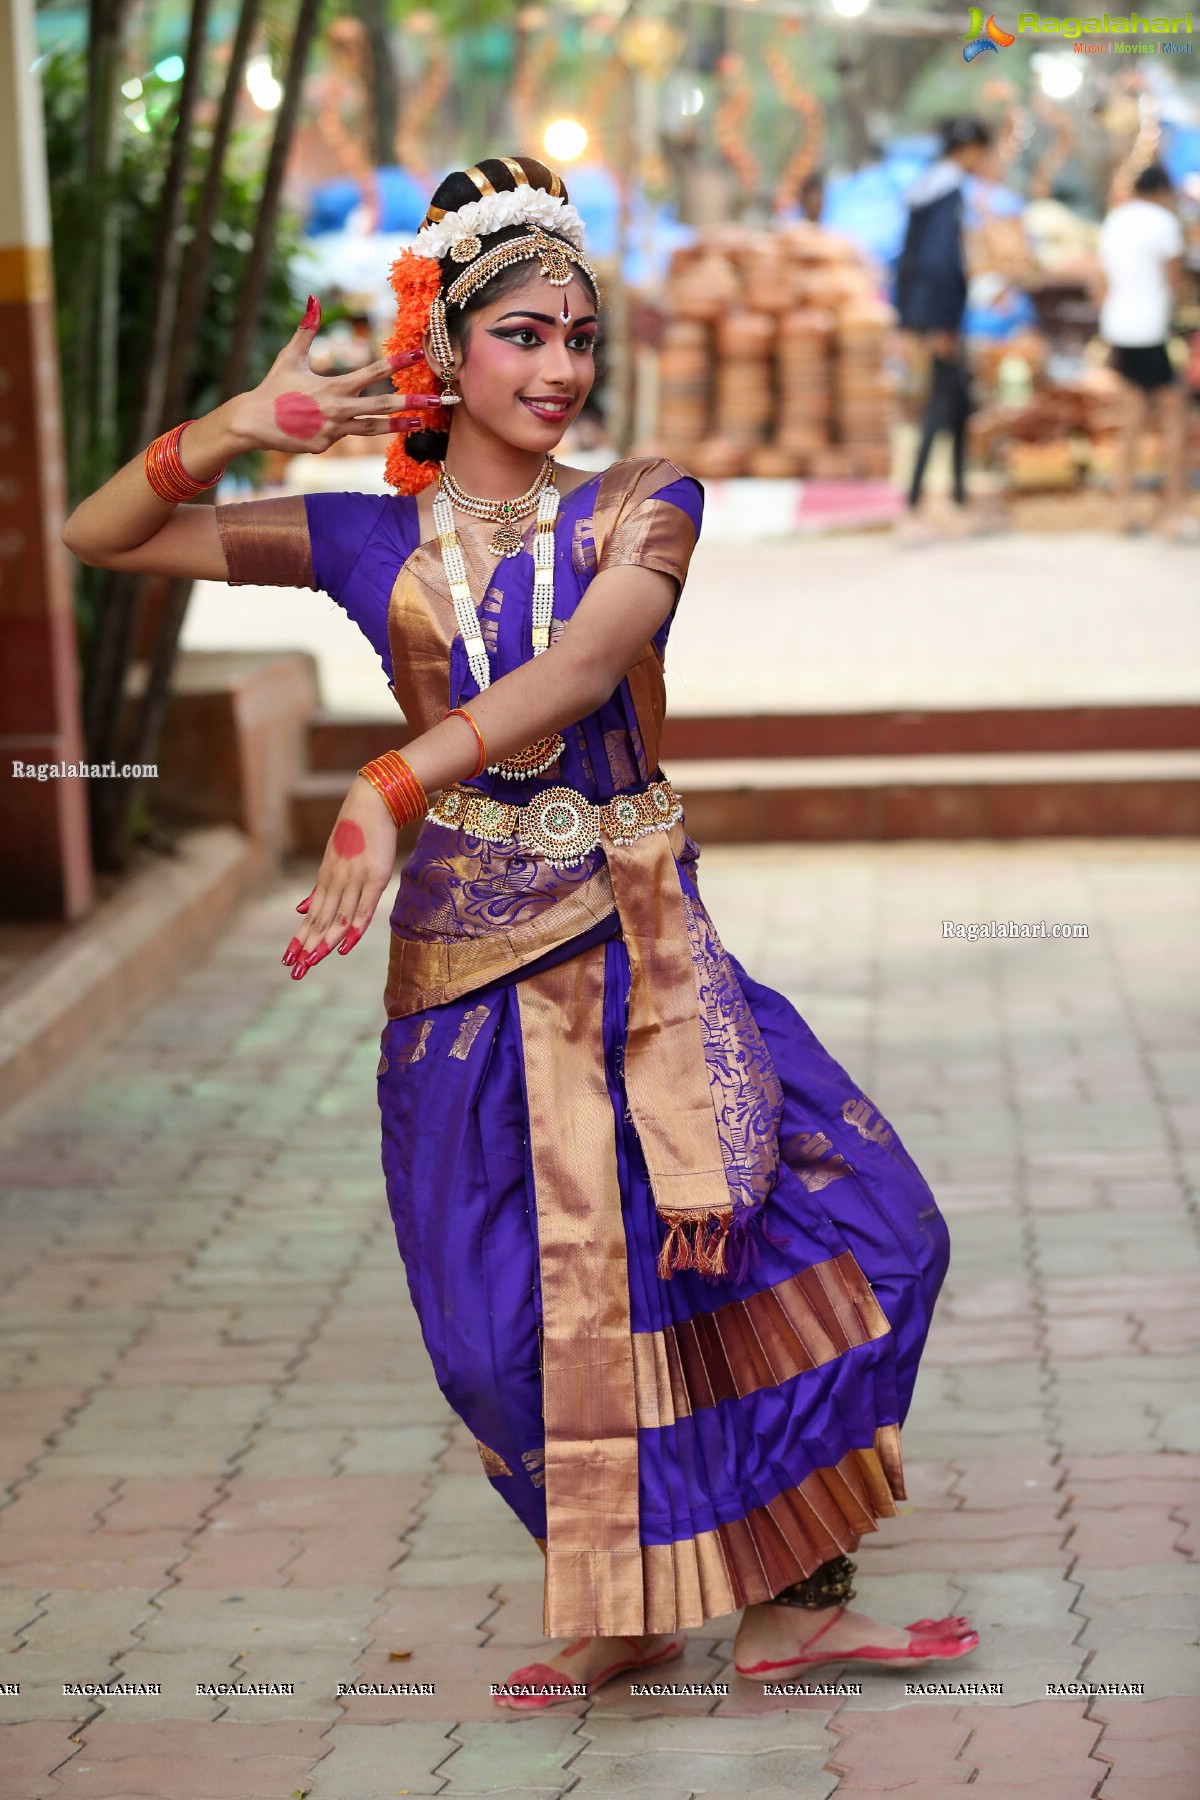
(294, 409)
(357, 866)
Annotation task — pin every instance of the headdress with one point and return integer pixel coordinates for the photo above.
(416, 280)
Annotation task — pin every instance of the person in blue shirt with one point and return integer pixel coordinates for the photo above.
(931, 292)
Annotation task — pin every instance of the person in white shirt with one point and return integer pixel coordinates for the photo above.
(1141, 258)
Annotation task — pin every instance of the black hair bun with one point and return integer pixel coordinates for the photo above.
(460, 189)
(427, 446)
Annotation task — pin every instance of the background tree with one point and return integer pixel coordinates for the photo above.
(171, 252)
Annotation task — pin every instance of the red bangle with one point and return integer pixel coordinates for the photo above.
(165, 471)
(402, 793)
(462, 713)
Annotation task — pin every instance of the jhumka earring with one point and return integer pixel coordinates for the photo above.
(439, 338)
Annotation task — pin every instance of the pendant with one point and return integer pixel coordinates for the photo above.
(506, 539)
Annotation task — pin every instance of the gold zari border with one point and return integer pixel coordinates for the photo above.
(593, 1552)
(810, 1319)
(752, 1559)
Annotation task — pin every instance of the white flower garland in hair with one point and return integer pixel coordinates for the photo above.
(520, 206)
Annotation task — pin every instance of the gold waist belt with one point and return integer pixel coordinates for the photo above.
(561, 825)
(667, 1079)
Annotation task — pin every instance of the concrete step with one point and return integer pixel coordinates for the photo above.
(1070, 794)
(337, 742)
(1103, 793)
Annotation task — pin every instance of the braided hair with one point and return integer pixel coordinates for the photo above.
(500, 175)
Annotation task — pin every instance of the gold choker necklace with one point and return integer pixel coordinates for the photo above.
(506, 539)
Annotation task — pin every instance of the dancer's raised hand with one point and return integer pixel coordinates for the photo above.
(295, 409)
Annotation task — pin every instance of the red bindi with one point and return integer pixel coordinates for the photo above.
(348, 839)
(298, 415)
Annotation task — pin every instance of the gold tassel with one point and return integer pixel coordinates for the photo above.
(695, 1241)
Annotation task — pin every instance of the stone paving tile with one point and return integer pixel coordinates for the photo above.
(912, 1748)
(189, 1760)
(31, 1750)
(1154, 1748)
(1114, 1537)
(743, 1755)
(1166, 1661)
(375, 1762)
(93, 1559)
(1038, 1747)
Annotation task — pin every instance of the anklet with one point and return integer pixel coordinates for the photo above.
(830, 1585)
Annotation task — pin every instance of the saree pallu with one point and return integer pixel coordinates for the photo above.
(686, 1447)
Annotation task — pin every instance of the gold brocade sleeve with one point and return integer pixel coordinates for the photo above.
(643, 530)
(266, 542)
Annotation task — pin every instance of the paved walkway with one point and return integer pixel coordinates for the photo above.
(228, 1461)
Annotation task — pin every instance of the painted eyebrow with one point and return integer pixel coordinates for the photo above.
(545, 318)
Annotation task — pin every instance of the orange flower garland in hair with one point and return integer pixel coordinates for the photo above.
(415, 281)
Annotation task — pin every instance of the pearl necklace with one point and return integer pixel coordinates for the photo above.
(538, 756)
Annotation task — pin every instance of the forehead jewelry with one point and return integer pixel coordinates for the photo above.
(542, 497)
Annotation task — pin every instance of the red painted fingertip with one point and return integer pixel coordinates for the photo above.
(312, 313)
(303, 906)
(348, 942)
(319, 954)
(291, 953)
(398, 422)
(404, 359)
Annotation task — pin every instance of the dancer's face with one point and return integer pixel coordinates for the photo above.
(527, 364)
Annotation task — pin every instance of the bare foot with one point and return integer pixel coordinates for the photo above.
(592, 1661)
(771, 1637)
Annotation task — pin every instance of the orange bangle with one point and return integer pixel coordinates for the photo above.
(165, 471)
(462, 713)
(401, 792)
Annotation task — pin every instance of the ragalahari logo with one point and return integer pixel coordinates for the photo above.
(989, 36)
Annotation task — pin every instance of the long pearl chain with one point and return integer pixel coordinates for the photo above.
(538, 756)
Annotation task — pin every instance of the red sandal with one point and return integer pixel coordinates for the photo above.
(542, 1675)
(933, 1640)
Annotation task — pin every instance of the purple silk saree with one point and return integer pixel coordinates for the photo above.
(682, 1446)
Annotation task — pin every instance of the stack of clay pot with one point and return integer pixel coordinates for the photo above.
(772, 358)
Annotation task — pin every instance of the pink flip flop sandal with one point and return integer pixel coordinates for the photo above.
(932, 1640)
(542, 1675)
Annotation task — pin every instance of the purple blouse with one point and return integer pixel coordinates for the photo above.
(352, 546)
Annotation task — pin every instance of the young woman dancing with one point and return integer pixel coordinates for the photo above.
(673, 1268)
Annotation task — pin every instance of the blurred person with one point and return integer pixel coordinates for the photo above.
(812, 195)
(672, 1267)
(1141, 252)
(931, 298)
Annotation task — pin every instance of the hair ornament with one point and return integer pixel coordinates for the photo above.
(415, 281)
(478, 218)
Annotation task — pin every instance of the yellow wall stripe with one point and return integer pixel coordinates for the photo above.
(25, 272)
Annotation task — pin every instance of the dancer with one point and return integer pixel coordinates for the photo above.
(673, 1268)
(931, 298)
